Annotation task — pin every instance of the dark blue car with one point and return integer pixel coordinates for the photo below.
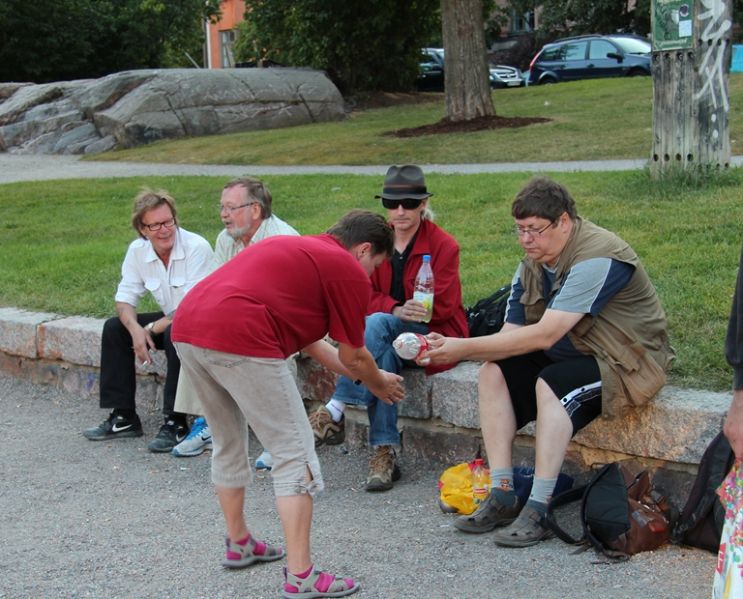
(591, 56)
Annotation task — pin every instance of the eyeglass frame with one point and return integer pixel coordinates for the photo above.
(520, 231)
(406, 203)
(153, 227)
(231, 209)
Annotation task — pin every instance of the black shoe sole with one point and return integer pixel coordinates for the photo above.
(114, 436)
(475, 529)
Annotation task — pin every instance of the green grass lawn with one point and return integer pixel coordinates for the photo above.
(590, 120)
(63, 241)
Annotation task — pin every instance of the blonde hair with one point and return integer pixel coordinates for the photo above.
(146, 200)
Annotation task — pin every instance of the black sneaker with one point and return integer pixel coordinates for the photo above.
(171, 433)
(115, 427)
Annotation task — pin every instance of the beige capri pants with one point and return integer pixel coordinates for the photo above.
(236, 391)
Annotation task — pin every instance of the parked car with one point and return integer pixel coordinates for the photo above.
(504, 76)
(590, 56)
(431, 72)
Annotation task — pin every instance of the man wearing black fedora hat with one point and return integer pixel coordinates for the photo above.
(393, 311)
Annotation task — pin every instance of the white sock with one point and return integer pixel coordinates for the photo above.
(336, 409)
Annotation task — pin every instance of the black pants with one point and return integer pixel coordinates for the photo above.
(118, 376)
(575, 382)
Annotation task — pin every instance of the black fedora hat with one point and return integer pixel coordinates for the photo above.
(403, 182)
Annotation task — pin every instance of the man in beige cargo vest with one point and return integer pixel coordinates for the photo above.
(584, 335)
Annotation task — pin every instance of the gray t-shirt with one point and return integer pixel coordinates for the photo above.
(587, 288)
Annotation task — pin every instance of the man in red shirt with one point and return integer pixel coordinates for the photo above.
(393, 311)
(234, 331)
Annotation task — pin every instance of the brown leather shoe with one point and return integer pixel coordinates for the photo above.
(325, 429)
(383, 469)
(488, 516)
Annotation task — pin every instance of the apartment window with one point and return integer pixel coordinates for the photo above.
(226, 44)
(522, 22)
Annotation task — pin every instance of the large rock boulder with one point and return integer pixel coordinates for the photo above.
(131, 108)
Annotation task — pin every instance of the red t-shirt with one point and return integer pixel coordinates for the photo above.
(276, 297)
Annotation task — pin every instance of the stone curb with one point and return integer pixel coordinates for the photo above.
(439, 416)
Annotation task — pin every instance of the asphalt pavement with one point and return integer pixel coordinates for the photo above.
(29, 167)
(110, 520)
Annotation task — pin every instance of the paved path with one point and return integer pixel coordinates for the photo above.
(15, 167)
(110, 519)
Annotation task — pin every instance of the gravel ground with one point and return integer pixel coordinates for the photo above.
(82, 519)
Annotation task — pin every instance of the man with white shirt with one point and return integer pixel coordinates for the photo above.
(245, 209)
(247, 214)
(167, 261)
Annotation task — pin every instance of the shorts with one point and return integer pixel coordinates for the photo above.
(576, 382)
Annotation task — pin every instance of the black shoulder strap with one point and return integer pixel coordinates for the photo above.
(713, 467)
(569, 496)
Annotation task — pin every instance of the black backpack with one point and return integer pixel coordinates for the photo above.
(621, 512)
(700, 524)
(486, 316)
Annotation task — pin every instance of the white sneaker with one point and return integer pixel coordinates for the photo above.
(198, 440)
(264, 461)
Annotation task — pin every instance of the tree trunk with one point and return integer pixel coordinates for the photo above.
(466, 74)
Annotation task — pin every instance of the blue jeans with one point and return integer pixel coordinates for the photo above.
(381, 331)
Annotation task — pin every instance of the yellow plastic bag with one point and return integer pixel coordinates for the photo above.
(455, 490)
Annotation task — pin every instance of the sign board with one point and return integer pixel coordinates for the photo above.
(672, 24)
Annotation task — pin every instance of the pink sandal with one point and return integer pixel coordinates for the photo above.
(244, 553)
(318, 584)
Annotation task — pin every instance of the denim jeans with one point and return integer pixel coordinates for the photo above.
(381, 331)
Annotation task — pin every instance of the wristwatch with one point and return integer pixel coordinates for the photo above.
(149, 327)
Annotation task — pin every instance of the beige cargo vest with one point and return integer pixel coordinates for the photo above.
(628, 337)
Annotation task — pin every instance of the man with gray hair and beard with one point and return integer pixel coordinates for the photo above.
(246, 212)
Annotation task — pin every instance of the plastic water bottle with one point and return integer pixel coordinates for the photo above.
(480, 481)
(423, 289)
(410, 345)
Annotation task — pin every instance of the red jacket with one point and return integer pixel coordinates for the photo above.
(448, 314)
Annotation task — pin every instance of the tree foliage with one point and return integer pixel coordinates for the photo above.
(73, 39)
(361, 44)
(574, 17)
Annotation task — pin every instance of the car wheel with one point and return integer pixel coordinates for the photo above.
(636, 73)
(547, 80)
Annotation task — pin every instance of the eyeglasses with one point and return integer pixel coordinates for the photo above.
(521, 231)
(231, 209)
(407, 203)
(156, 226)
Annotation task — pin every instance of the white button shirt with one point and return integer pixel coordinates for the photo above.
(190, 261)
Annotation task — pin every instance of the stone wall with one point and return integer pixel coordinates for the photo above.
(439, 416)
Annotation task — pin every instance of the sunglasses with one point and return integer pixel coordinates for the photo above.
(407, 204)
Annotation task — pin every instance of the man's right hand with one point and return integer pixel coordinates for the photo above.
(391, 391)
(411, 311)
(142, 343)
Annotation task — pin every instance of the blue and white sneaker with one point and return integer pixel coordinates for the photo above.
(264, 461)
(198, 440)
